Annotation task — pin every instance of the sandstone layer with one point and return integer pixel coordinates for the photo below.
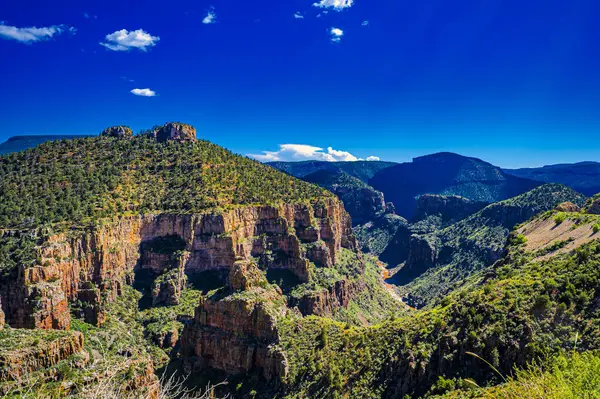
(88, 265)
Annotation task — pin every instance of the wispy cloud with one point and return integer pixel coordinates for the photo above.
(365, 23)
(143, 92)
(33, 34)
(210, 18)
(298, 15)
(337, 5)
(89, 16)
(304, 152)
(336, 34)
(123, 40)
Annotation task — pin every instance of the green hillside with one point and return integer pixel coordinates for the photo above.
(20, 143)
(362, 170)
(85, 179)
(476, 241)
(509, 315)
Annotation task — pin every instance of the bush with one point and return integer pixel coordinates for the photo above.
(559, 218)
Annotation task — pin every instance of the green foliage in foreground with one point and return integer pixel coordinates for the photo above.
(86, 179)
(573, 376)
(116, 352)
(519, 311)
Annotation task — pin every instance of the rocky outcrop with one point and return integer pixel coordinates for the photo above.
(594, 207)
(41, 353)
(363, 204)
(450, 208)
(567, 207)
(175, 131)
(85, 266)
(245, 275)
(168, 286)
(325, 302)
(118, 131)
(237, 334)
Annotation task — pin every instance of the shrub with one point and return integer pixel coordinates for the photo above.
(560, 217)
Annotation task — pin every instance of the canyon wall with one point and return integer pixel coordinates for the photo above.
(90, 266)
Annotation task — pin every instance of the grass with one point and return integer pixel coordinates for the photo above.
(567, 376)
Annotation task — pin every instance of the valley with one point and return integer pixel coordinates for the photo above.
(159, 265)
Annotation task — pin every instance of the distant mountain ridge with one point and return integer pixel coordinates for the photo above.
(447, 174)
(20, 143)
(363, 170)
(581, 176)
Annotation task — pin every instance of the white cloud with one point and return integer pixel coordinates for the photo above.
(210, 18)
(320, 15)
(144, 92)
(123, 40)
(304, 152)
(336, 34)
(88, 16)
(365, 23)
(372, 158)
(298, 15)
(337, 5)
(32, 34)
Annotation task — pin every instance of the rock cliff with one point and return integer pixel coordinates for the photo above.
(88, 265)
(35, 353)
(235, 330)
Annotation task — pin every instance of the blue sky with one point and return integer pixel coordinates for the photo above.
(516, 83)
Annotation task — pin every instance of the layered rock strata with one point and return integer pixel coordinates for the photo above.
(236, 330)
(88, 265)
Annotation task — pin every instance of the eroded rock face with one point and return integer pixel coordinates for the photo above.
(176, 132)
(118, 131)
(567, 207)
(422, 255)
(95, 263)
(245, 275)
(15, 364)
(168, 286)
(236, 334)
(594, 208)
(325, 302)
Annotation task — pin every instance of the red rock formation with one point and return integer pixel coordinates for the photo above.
(167, 287)
(176, 132)
(324, 302)
(82, 265)
(17, 363)
(236, 334)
